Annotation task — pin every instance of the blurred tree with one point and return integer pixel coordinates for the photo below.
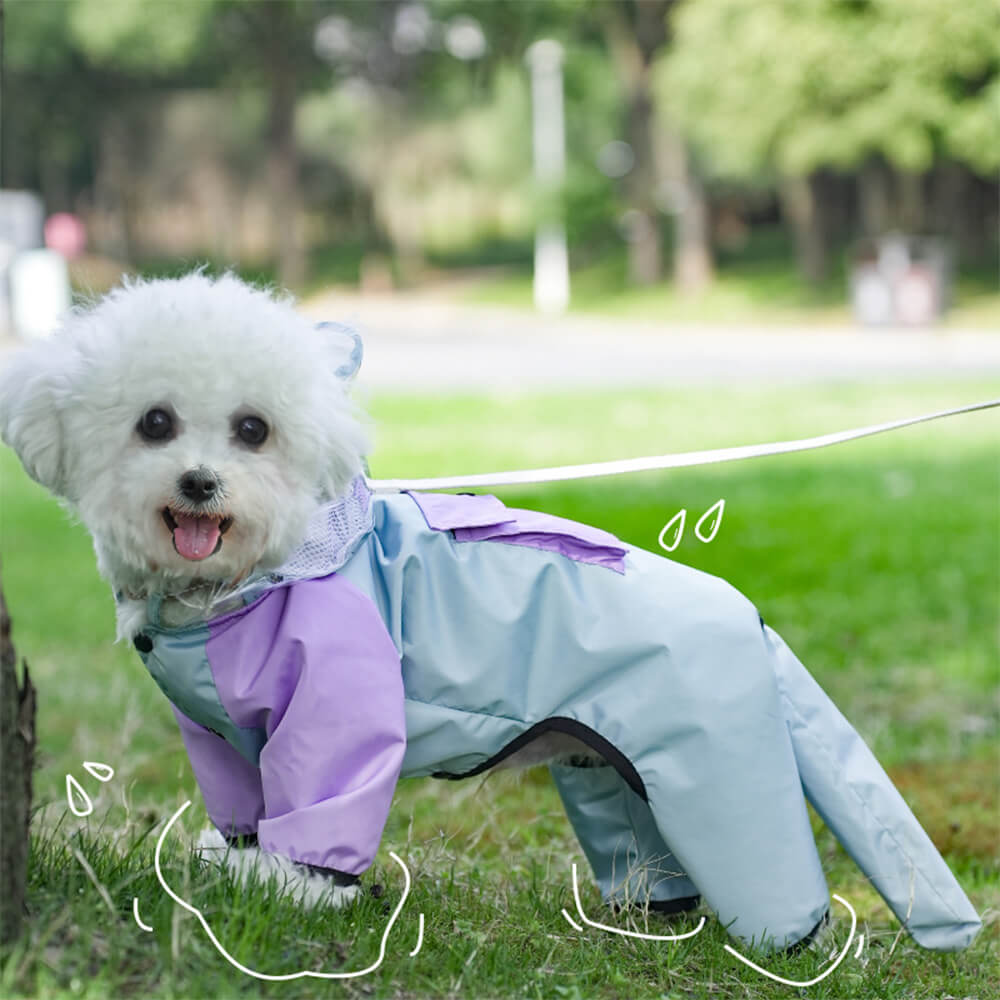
(45, 118)
(125, 50)
(83, 72)
(76, 72)
(632, 34)
(274, 37)
(637, 33)
(271, 39)
(869, 85)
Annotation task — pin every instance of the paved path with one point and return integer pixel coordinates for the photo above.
(423, 344)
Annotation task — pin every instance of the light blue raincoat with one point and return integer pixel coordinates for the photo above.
(456, 630)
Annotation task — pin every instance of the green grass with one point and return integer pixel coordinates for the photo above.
(878, 561)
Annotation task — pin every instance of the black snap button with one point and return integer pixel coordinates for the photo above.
(143, 643)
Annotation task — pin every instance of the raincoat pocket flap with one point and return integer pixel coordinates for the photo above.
(485, 518)
(451, 511)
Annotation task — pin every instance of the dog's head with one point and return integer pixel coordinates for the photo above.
(193, 425)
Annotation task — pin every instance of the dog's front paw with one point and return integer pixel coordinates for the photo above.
(210, 845)
(311, 885)
(308, 885)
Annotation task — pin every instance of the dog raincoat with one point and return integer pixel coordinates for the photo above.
(456, 630)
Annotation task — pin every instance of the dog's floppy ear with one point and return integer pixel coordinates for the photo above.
(346, 438)
(32, 386)
(345, 347)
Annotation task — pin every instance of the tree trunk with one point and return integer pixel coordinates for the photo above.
(963, 209)
(112, 184)
(693, 270)
(645, 257)
(635, 33)
(283, 154)
(875, 198)
(17, 756)
(912, 202)
(802, 211)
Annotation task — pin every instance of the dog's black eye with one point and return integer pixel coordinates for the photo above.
(156, 425)
(251, 431)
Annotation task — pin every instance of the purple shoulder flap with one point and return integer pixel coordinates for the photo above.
(479, 518)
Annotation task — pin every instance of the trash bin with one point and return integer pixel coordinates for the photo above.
(898, 280)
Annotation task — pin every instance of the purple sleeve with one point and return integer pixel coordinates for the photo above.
(318, 670)
(229, 783)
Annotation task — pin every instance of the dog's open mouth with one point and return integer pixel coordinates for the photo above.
(196, 536)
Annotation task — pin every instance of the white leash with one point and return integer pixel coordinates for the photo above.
(677, 461)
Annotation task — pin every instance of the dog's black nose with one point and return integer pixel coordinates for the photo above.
(199, 485)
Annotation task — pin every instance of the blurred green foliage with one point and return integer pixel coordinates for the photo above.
(794, 86)
(249, 131)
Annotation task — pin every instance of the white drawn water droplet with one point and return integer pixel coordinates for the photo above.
(74, 791)
(673, 531)
(103, 772)
(714, 518)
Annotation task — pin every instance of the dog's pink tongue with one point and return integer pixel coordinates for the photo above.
(195, 537)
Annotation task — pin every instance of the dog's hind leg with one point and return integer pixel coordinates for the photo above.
(858, 802)
(631, 863)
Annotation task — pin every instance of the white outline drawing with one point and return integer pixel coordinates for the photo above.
(571, 921)
(420, 937)
(135, 913)
(821, 976)
(680, 515)
(264, 975)
(72, 783)
(618, 930)
(720, 506)
(103, 772)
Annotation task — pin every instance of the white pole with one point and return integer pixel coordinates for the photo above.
(551, 279)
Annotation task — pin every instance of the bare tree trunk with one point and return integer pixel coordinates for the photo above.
(112, 184)
(283, 154)
(875, 198)
(693, 269)
(963, 209)
(975, 226)
(645, 257)
(17, 756)
(912, 202)
(636, 32)
(802, 210)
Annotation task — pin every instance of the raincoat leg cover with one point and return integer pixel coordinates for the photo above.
(857, 801)
(618, 834)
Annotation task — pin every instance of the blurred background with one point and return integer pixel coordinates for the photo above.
(693, 160)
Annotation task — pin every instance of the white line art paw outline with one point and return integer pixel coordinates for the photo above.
(291, 975)
(135, 913)
(732, 951)
(822, 975)
(619, 930)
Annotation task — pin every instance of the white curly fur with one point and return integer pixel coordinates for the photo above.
(252, 864)
(206, 350)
